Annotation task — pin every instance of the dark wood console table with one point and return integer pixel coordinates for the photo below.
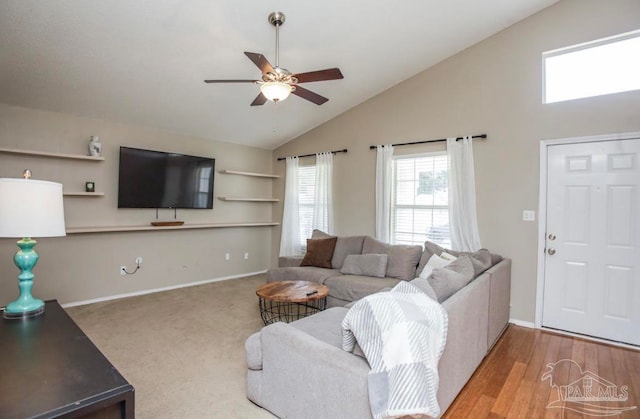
(50, 369)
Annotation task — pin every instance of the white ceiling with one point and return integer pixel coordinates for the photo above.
(143, 62)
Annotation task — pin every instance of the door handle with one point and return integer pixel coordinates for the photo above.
(551, 251)
(552, 236)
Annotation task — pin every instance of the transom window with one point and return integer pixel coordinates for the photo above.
(601, 67)
(420, 200)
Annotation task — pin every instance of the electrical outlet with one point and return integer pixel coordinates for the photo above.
(139, 260)
(246, 256)
(123, 270)
(227, 256)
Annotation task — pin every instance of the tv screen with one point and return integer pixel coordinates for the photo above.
(154, 179)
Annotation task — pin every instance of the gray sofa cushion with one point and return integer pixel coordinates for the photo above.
(369, 265)
(325, 325)
(301, 273)
(347, 245)
(354, 287)
(402, 260)
(452, 278)
(287, 261)
(481, 259)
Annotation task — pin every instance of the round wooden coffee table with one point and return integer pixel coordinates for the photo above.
(286, 301)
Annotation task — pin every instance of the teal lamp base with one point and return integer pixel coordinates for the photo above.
(25, 306)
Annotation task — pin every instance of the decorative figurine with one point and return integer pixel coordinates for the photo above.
(95, 147)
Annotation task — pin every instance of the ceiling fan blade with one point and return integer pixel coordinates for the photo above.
(259, 100)
(320, 75)
(260, 61)
(230, 81)
(309, 95)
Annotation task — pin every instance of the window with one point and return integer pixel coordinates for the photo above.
(420, 200)
(601, 67)
(306, 193)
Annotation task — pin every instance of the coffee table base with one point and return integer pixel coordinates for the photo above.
(277, 311)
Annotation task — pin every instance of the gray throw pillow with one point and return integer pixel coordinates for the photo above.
(367, 265)
(481, 259)
(347, 245)
(425, 287)
(452, 278)
(402, 260)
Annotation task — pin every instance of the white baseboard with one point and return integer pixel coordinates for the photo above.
(151, 291)
(522, 323)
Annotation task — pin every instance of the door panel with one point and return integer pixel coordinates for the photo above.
(592, 259)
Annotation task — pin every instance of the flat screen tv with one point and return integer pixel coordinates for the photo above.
(155, 179)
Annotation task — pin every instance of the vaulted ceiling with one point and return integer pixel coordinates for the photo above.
(143, 62)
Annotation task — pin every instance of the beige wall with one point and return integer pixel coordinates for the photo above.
(81, 267)
(493, 87)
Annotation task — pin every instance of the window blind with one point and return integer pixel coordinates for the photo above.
(420, 201)
(306, 192)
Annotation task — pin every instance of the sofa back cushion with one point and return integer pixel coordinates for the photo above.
(369, 265)
(347, 245)
(319, 252)
(402, 259)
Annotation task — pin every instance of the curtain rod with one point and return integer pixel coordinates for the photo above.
(309, 155)
(430, 141)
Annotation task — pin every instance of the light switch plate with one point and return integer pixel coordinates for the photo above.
(528, 215)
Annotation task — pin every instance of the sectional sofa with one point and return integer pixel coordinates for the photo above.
(299, 370)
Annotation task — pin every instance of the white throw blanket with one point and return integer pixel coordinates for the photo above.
(402, 334)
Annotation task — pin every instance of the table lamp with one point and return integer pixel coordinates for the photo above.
(29, 208)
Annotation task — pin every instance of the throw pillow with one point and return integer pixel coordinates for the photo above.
(447, 256)
(482, 259)
(452, 278)
(402, 260)
(425, 287)
(369, 265)
(319, 252)
(347, 245)
(434, 262)
(439, 262)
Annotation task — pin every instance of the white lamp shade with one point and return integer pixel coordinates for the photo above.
(31, 208)
(275, 91)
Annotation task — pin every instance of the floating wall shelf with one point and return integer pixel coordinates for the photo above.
(225, 198)
(89, 194)
(237, 172)
(122, 229)
(50, 154)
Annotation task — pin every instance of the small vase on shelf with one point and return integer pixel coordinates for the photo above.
(95, 147)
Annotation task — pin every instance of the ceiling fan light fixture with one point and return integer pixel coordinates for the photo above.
(275, 91)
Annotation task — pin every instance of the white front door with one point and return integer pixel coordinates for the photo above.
(592, 259)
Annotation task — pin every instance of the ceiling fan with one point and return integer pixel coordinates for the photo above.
(276, 82)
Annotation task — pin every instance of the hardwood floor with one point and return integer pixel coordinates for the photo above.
(602, 380)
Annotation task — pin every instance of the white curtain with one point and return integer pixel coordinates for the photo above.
(462, 196)
(290, 237)
(384, 184)
(323, 202)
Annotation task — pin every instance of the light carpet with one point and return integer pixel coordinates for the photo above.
(182, 350)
